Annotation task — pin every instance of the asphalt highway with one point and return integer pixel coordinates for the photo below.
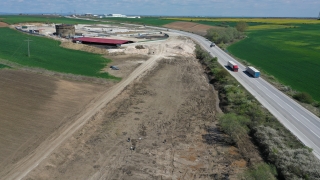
(301, 122)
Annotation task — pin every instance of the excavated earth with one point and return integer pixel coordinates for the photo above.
(161, 126)
(169, 116)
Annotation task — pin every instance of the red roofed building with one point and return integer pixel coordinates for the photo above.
(104, 41)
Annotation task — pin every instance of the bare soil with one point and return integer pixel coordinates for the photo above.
(125, 62)
(83, 47)
(169, 116)
(164, 104)
(2, 24)
(196, 28)
(32, 107)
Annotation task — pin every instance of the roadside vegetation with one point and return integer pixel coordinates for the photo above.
(223, 35)
(244, 118)
(47, 54)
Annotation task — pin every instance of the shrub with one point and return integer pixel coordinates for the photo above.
(224, 35)
(261, 171)
(291, 163)
(234, 125)
(139, 47)
(303, 97)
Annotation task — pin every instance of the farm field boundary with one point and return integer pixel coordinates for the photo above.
(47, 54)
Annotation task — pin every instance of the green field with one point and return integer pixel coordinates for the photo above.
(291, 54)
(43, 19)
(47, 54)
(153, 21)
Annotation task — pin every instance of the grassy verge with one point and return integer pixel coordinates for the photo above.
(4, 66)
(244, 118)
(47, 54)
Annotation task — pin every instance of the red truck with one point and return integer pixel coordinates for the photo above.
(233, 66)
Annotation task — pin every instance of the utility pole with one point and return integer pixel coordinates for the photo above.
(28, 47)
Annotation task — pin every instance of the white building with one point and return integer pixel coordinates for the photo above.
(115, 15)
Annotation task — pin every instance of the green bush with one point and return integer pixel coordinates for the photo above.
(261, 171)
(224, 35)
(234, 125)
(303, 97)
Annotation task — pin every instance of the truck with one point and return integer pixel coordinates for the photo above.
(233, 66)
(253, 71)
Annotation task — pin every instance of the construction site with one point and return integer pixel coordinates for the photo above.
(158, 122)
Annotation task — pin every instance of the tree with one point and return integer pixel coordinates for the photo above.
(242, 26)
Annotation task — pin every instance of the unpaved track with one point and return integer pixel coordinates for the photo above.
(46, 148)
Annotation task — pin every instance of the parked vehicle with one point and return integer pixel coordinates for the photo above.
(212, 44)
(233, 66)
(114, 67)
(253, 71)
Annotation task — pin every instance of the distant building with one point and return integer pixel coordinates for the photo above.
(88, 14)
(121, 15)
(115, 15)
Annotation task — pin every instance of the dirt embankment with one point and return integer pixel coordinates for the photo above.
(32, 107)
(169, 116)
(83, 47)
(2, 24)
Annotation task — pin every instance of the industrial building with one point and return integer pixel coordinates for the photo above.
(121, 15)
(65, 30)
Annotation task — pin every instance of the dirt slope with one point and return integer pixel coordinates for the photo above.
(169, 116)
(32, 107)
(167, 111)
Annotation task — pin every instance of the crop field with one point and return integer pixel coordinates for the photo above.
(154, 21)
(290, 54)
(46, 53)
(43, 19)
(269, 26)
(251, 20)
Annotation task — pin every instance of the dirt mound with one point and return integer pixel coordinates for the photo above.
(190, 27)
(174, 46)
(32, 107)
(2, 24)
(83, 47)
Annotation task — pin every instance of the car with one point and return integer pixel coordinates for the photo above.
(114, 67)
(212, 44)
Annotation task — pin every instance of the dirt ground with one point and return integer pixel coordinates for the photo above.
(164, 104)
(196, 28)
(32, 107)
(2, 24)
(168, 114)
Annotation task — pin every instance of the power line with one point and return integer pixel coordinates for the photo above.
(28, 46)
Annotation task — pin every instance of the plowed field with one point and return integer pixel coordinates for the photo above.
(32, 107)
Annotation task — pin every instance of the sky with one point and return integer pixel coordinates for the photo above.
(233, 8)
